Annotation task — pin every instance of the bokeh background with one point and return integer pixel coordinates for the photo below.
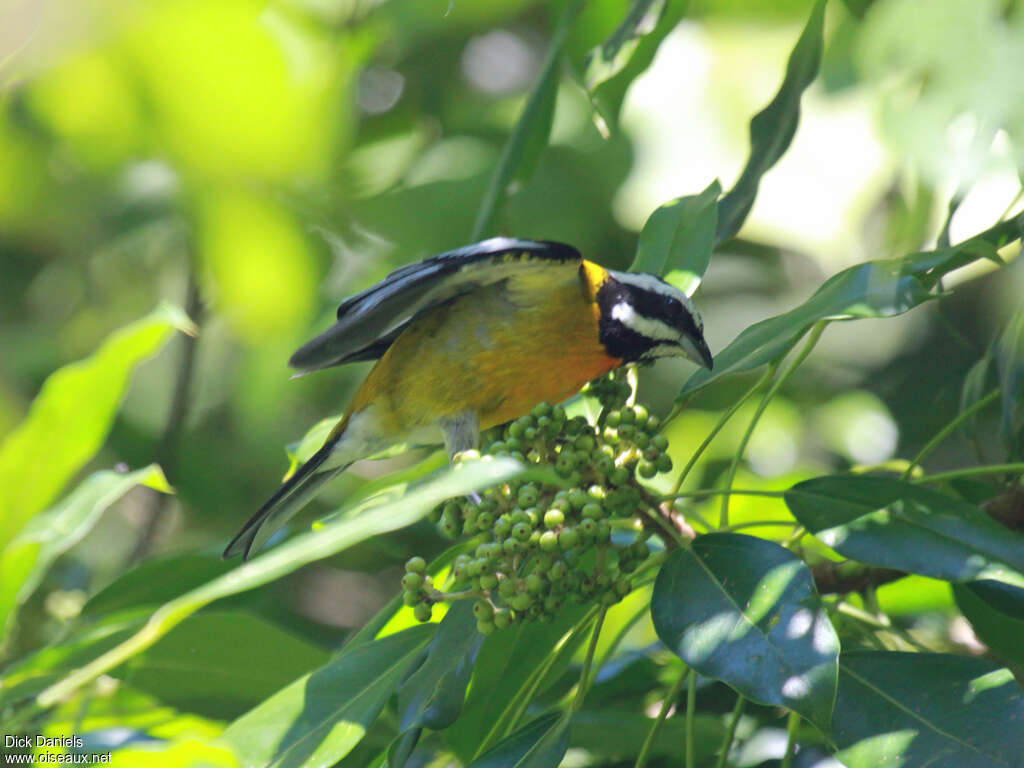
(255, 162)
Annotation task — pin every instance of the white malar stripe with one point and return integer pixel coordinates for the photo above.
(648, 327)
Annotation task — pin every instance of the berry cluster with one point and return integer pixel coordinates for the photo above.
(539, 544)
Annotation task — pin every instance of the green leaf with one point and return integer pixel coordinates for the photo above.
(432, 696)
(70, 417)
(530, 136)
(48, 535)
(893, 524)
(539, 744)
(219, 664)
(612, 67)
(915, 709)
(539, 653)
(772, 129)
(319, 718)
(621, 734)
(677, 238)
(292, 555)
(1009, 353)
(744, 611)
(1002, 633)
(874, 289)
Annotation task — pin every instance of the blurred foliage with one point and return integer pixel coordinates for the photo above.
(272, 156)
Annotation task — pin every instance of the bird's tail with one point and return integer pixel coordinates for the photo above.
(297, 491)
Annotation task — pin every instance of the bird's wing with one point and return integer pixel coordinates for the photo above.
(371, 320)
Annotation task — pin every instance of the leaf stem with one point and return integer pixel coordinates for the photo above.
(990, 469)
(723, 419)
(795, 363)
(666, 704)
(730, 732)
(947, 430)
(691, 709)
(792, 723)
(585, 677)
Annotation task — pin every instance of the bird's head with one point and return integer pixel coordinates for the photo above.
(644, 318)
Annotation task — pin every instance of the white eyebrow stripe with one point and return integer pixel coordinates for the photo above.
(653, 284)
(650, 328)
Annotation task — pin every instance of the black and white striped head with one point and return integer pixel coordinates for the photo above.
(644, 318)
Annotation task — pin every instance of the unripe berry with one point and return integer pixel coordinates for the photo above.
(585, 443)
(653, 425)
(512, 546)
(558, 571)
(502, 526)
(553, 518)
(541, 409)
(646, 469)
(422, 611)
(640, 413)
(568, 538)
(483, 610)
(416, 565)
(534, 583)
(588, 528)
(663, 463)
(528, 495)
(412, 581)
(411, 598)
(485, 627)
(626, 431)
(521, 531)
(613, 419)
(521, 601)
(502, 618)
(507, 588)
(488, 581)
(549, 541)
(577, 498)
(660, 442)
(484, 520)
(592, 511)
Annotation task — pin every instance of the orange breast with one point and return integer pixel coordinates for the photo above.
(495, 352)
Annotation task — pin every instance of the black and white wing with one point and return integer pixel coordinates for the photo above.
(371, 320)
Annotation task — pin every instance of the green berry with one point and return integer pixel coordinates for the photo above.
(568, 538)
(592, 511)
(522, 601)
(411, 598)
(641, 440)
(530, 434)
(619, 476)
(522, 531)
(507, 588)
(502, 526)
(613, 419)
(604, 530)
(660, 442)
(647, 469)
(640, 413)
(585, 443)
(485, 627)
(512, 546)
(663, 463)
(502, 618)
(528, 495)
(412, 581)
(626, 431)
(541, 409)
(483, 610)
(627, 416)
(577, 498)
(488, 581)
(416, 565)
(558, 571)
(588, 528)
(554, 518)
(549, 541)
(484, 521)
(623, 586)
(422, 611)
(534, 583)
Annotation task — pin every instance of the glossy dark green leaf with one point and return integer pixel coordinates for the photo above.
(1002, 633)
(220, 664)
(319, 718)
(890, 523)
(744, 611)
(1007, 599)
(539, 744)
(772, 129)
(676, 241)
(50, 534)
(432, 696)
(530, 136)
(1009, 354)
(613, 66)
(907, 710)
(496, 698)
(621, 734)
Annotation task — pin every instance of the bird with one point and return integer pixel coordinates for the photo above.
(473, 338)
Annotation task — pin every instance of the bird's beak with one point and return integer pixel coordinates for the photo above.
(705, 354)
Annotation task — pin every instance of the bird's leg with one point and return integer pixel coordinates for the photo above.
(461, 433)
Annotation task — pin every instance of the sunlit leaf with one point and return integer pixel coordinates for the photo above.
(70, 418)
(676, 241)
(612, 66)
(887, 522)
(220, 664)
(292, 555)
(744, 611)
(540, 744)
(319, 718)
(50, 534)
(772, 129)
(874, 289)
(912, 709)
